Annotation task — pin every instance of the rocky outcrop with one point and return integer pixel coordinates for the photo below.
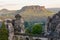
(54, 25)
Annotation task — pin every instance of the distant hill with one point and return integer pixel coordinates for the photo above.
(5, 13)
(34, 13)
(55, 10)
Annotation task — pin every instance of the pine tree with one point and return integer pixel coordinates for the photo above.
(3, 32)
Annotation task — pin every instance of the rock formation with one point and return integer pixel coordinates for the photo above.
(53, 26)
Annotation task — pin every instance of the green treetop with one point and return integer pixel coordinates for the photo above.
(37, 29)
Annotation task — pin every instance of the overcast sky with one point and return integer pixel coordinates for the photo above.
(18, 4)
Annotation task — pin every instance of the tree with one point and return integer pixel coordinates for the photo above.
(3, 32)
(28, 31)
(37, 29)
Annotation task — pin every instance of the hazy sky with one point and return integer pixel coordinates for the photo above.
(18, 4)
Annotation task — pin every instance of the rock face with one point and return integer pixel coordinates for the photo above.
(15, 26)
(54, 25)
(18, 24)
(34, 8)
